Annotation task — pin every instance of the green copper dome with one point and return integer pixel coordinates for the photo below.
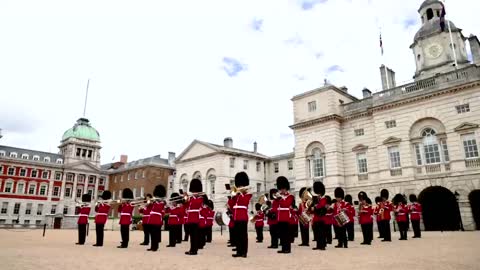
(82, 130)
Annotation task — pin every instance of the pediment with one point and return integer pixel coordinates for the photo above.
(359, 147)
(82, 166)
(466, 126)
(392, 140)
(196, 149)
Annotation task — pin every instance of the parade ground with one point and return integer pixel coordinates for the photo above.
(27, 249)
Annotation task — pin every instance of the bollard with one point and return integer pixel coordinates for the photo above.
(44, 229)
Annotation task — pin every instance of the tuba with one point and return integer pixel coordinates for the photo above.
(307, 198)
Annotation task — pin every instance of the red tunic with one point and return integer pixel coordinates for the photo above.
(193, 207)
(156, 213)
(387, 208)
(102, 213)
(230, 204)
(83, 215)
(350, 212)
(240, 209)
(175, 216)
(210, 218)
(415, 211)
(259, 217)
(322, 203)
(301, 209)
(365, 215)
(145, 211)
(376, 211)
(125, 210)
(401, 213)
(337, 208)
(283, 209)
(203, 217)
(273, 221)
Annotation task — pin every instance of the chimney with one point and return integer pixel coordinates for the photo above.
(255, 147)
(228, 142)
(344, 89)
(388, 77)
(124, 159)
(366, 93)
(474, 48)
(171, 159)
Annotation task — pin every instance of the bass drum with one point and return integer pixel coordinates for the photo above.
(222, 219)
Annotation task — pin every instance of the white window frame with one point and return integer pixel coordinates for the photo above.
(232, 162)
(17, 189)
(24, 172)
(8, 171)
(259, 187)
(59, 161)
(470, 146)
(79, 192)
(59, 174)
(17, 209)
(25, 156)
(312, 106)
(40, 190)
(36, 158)
(276, 167)
(58, 191)
(5, 186)
(28, 209)
(362, 163)
(70, 177)
(142, 192)
(65, 210)
(463, 108)
(259, 166)
(91, 180)
(69, 193)
(36, 174)
(30, 184)
(46, 159)
(211, 181)
(317, 164)
(101, 181)
(45, 176)
(4, 209)
(40, 209)
(245, 164)
(391, 124)
(2, 153)
(53, 209)
(290, 164)
(394, 157)
(13, 155)
(359, 132)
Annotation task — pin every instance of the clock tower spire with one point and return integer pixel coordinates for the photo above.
(432, 45)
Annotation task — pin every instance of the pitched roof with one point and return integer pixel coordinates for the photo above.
(8, 149)
(232, 150)
(149, 161)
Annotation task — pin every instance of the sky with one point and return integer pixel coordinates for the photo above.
(163, 73)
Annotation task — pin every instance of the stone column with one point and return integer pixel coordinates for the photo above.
(62, 192)
(95, 191)
(74, 191)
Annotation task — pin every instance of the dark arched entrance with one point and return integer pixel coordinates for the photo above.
(474, 198)
(440, 209)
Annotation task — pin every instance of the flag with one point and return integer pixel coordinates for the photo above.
(442, 17)
(381, 44)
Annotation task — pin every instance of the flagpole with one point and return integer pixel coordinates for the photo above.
(86, 96)
(383, 60)
(452, 45)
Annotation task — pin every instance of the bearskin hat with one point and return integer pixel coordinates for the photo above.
(273, 191)
(329, 199)
(258, 206)
(339, 193)
(195, 185)
(205, 199)
(241, 179)
(86, 198)
(362, 195)
(349, 199)
(319, 188)
(413, 198)
(378, 199)
(333, 201)
(149, 196)
(159, 191)
(398, 198)
(269, 203)
(282, 183)
(210, 204)
(368, 200)
(384, 194)
(301, 192)
(174, 195)
(127, 193)
(106, 195)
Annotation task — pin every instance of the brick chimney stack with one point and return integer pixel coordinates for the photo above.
(124, 159)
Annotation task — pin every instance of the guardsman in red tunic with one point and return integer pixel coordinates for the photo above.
(155, 220)
(340, 206)
(145, 211)
(83, 218)
(231, 233)
(210, 218)
(376, 212)
(202, 225)
(259, 222)
(193, 207)
(240, 214)
(319, 210)
(329, 220)
(293, 222)
(351, 216)
(365, 218)
(175, 219)
(304, 228)
(101, 217)
(385, 215)
(125, 210)
(272, 219)
(415, 215)
(285, 202)
(401, 215)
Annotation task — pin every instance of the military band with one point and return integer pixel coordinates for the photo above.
(102, 209)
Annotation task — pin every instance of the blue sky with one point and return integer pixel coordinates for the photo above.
(164, 73)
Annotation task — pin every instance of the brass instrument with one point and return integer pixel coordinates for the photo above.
(234, 190)
(307, 198)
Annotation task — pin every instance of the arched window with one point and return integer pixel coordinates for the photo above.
(211, 182)
(429, 14)
(318, 163)
(184, 182)
(431, 147)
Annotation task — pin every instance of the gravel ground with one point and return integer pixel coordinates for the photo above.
(27, 249)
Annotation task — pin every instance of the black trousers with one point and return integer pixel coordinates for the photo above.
(285, 236)
(155, 232)
(146, 234)
(193, 231)
(320, 232)
(305, 234)
(99, 231)
(416, 228)
(328, 233)
(293, 232)
(173, 232)
(335, 230)
(187, 232)
(179, 234)
(125, 233)
(380, 229)
(403, 228)
(350, 231)
(202, 234)
(342, 236)
(82, 233)
(387, 234)
(274, 235)
(241, 237)
(259, 231)
(209, 234)
(367, 232)
(231, 233)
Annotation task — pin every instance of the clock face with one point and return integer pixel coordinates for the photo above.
(434, 51)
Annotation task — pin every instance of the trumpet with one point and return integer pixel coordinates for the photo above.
(185, 196)
(234, 190)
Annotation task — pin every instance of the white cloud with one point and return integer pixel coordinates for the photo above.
(156, 66)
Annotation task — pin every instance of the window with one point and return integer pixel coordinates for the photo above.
(26, 222)
(418, 154)
(312, 106)
(90, 192)
(16, 209)
(115, 179)
(53, 210)
(23, 172)
(38, 222)
(79, 192)
(463, 108)
(318, 163)
(259, 166)
(128, 176)
(232, 162)
(89, 153)
(391, 124)
(81, 178)
(275, 167)
(56, 191)
(362, 163)
(28, 209)
(1, 169)
(20, 188)
(39, 209)
(290, 165)
(394, 154)
(13, 155)
(45, 175)
(101, 181)
(4, 208)
(113, 195)
(70, 177)
(2, 153)
(65, 210)
(91, 180)
(43, 190)
(46, 159)
(245, 164)
(24, 156)
(142, 192)
(59, 161)
(36, 158)
(121, 178)
(58, 176)
(359, 132)
(8, 187)
(11, 171)
(3, 221)
(34, 173)
(31, 189)
(470, 146)
(259, 187)
(143, 174)
(134, 192)
(211, 179)
(68, 192)
(446, 157)
(430, 146)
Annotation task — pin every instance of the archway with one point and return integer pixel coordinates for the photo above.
(440, 209)
(474, 198)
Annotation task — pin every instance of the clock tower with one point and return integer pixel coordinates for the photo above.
(432, 47)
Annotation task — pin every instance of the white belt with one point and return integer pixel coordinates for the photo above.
(401, 214)
(155, 213)
(146, 215)
(240, 206)
(195, 210)
(83, 215)
(259, 220)
(102, 214)
(173, 216)
(416, 212)
(209, 217)
(125, 214)
(283, 209)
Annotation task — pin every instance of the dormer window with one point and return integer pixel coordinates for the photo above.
(46, 159)
(13, 155)
(59, 161)
(2, 153)
(36, 158)
(24, 156)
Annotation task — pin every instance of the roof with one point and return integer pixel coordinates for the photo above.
(323, 89)
(283, 156)
(149, 161)
(82, 130)
(433, 27)
(428, 3)
(231, 150)
(31, 153)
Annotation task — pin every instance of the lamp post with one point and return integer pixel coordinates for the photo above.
(457, 196)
